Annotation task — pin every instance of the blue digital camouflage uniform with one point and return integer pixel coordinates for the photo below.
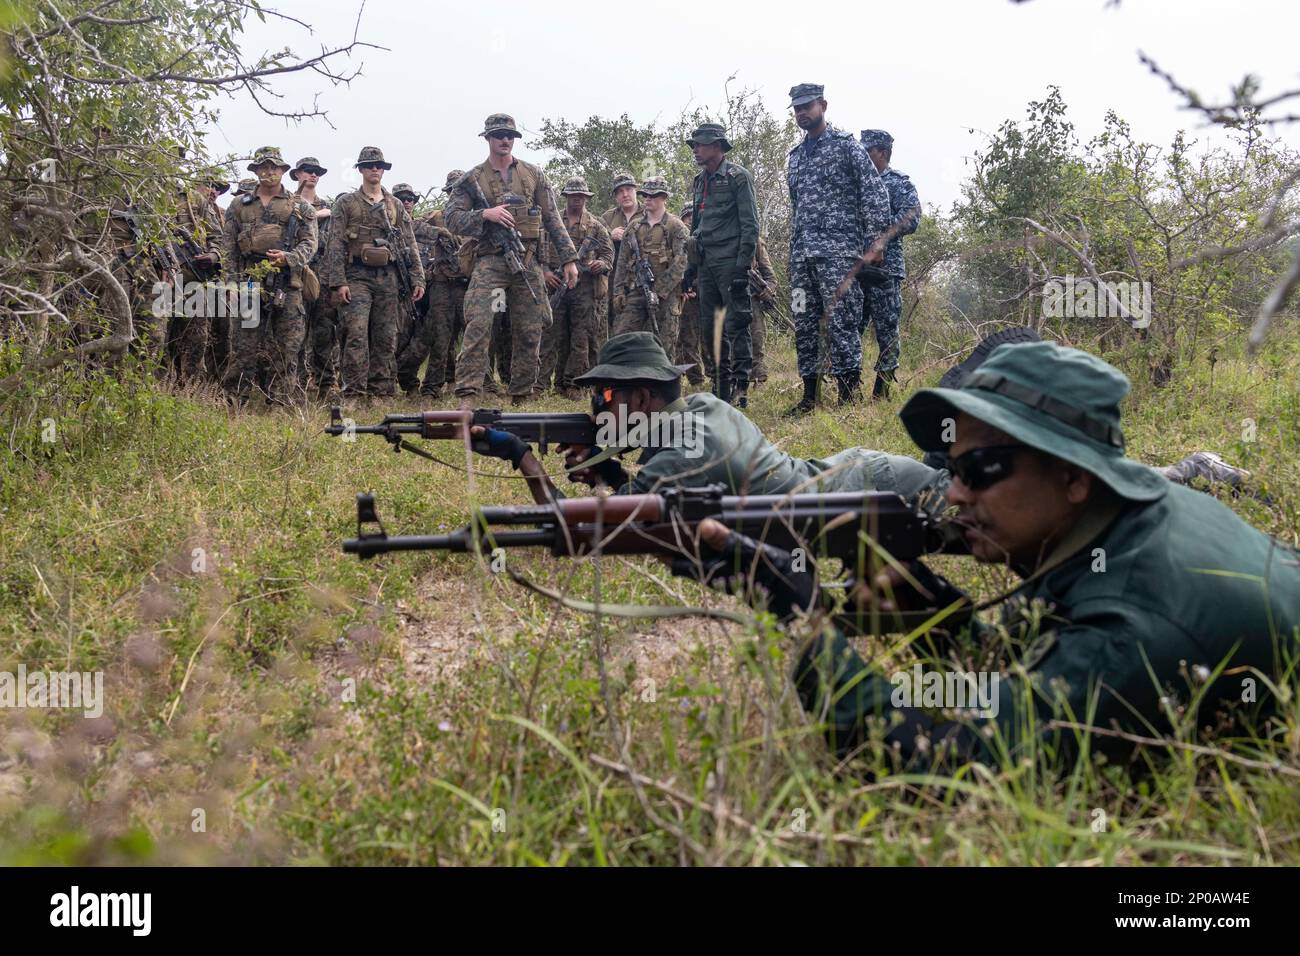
(884, 302)
(840, 204)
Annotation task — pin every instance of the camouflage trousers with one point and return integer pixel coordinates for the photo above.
(688, 342)
(187, 345)
(444, 318)
(370, 323)
(322, 346)
(492, 290)
(883, 308)
(267, 353)
(758, 339)
(634, 317)
(600, 333)
(568, 343)
(826, 342)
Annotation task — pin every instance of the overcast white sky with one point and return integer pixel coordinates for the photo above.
(926, 70)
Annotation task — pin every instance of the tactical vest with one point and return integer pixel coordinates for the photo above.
(519, 196)
(654, 244)
(262, 227)
(365, 226)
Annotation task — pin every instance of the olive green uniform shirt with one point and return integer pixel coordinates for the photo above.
(1167, 588)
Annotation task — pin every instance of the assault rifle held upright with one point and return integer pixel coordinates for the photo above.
(541, 428)
(505, 238)
(401, 262)
(584, 253)
(644, 277)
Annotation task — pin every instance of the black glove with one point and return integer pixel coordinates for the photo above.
(789, 591)
(494, 443)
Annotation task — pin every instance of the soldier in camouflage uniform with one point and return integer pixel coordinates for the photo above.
(661, 238)
(763, 296)
(321, 346)
(258, 230)
(518, 197)
(198, 231)
(446, 314)
(371, 228)
(884, 301)
(688, 352)
(840, 208)
(218, 350)
(411, 332)
(569, 340)
(627, 204)
(725, 229)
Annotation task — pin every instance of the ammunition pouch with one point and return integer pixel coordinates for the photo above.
(310, 284)
(262, 238)
(375, 256)
(466, 256)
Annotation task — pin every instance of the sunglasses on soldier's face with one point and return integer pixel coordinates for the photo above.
(501, 136)
(982, 468)
(365, 166)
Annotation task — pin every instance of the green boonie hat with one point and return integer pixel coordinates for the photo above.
(308, 164)
(686, 211)
(621, 180)
(576, 186)
(633, 356)
(244, 187)
(372, 154)
(267, 154)
(802, 93)
(707, 133)
(453, 177)
(654, 186)
(401, 188)
(876, 139)
(500, 122)
(1059, 400)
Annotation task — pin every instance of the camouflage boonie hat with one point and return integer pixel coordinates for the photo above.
(632, 356)
(500, 123)
(654, 186)
(402, 188)
(372, 154)
(267, 154)
(877, 139)
(686, 211)
(453, 177)
(707, 133)
(245, 187)
(576, 186)
(1056, 399)
(621, 180)
(308, 164)
(802, 93)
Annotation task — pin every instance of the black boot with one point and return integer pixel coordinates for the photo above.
(809, 400)
(850, 387)
(740, 393)
(881, 388)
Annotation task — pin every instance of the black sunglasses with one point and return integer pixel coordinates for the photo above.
(500, 135)
(371, 166)
(982, 468)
